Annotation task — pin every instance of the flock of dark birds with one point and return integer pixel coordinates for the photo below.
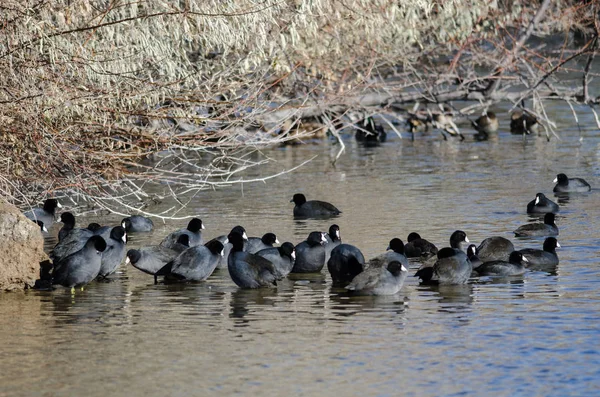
(95, 252)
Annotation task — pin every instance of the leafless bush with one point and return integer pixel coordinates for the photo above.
(92, 87)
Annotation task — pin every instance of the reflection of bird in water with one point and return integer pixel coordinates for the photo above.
(486, 125)
(523, 123)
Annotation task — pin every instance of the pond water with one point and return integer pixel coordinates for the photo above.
(531, 335)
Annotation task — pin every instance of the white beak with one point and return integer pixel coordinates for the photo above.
(226, 241)
(124, 238)
(557, 245)
(537, 200)
(127, 261)
(222, 252)
(276, 241)
(525, 259)
(123, 225)
(323, 238)
(245, 236)
(293, 255)
(202, 227)
(467, 239)
(58, 205)
(403, 269)
(555, 180)
(337, 234)
(44, 229)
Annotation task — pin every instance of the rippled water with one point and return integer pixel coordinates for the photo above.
(531, 335)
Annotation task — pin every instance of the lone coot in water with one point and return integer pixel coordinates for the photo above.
(417, 247)
(82, 266)
(548, 228)
(114, 253)
(194, 264)
(249, 270)
(565, 184)
(137, 223)
(544, 257)
(379, 280)
(394, 252)
(333, 238)
(45, 214)
(153, 258)
(281, 257)
(541, 205)
(193, 231)
(495, 249)
(312, 208)
(515, 266)
(255, 244)
(310, 254)
(452, 267)
(345, 263)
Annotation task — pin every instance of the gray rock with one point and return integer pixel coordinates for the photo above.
(21, 249)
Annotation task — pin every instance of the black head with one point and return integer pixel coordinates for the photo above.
(134, 256)
(298, 199)
(215, 246)
(396, 245)
(517, 258)
(287, 249)
(236, 240)
(184, 240)
(269, 239)
(457, 238)
(195, 225)
(240, 230)
(126, 223)
(41, 225)
(539, 197)
(471, 251)
(50, 205)
(334, 232)
(93, 226)
(396, 268)
(549, 219)
(118, 233)
(413, 236)
(316, 238)
(67, 219)
(446, 252)
(97, 242)
(551, 244)
(562, 179)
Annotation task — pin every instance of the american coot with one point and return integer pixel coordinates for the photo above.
(41, 226)
(193, 231)
(548, 228)
(545, 257)
(223, 240)
(281, 257)
(417, 247)
(137, 223)
(333, 238)
(310, 254)
(458, 239)
(379, 280)
(514, 267)
(68, 221)
(523, 123)
(565, 184)
(394, 252)
(72, 242)
(45, 214)
(151, 259)
(194, 264)
(255, 244)
(541, 205)
(114, 253)
(312, 208)
(452, 267)
(345, 263)
(495, 249)
(472, 255)
(248, 270)
(82, 266)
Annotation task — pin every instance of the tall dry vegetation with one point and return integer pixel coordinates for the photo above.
(91, 87)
